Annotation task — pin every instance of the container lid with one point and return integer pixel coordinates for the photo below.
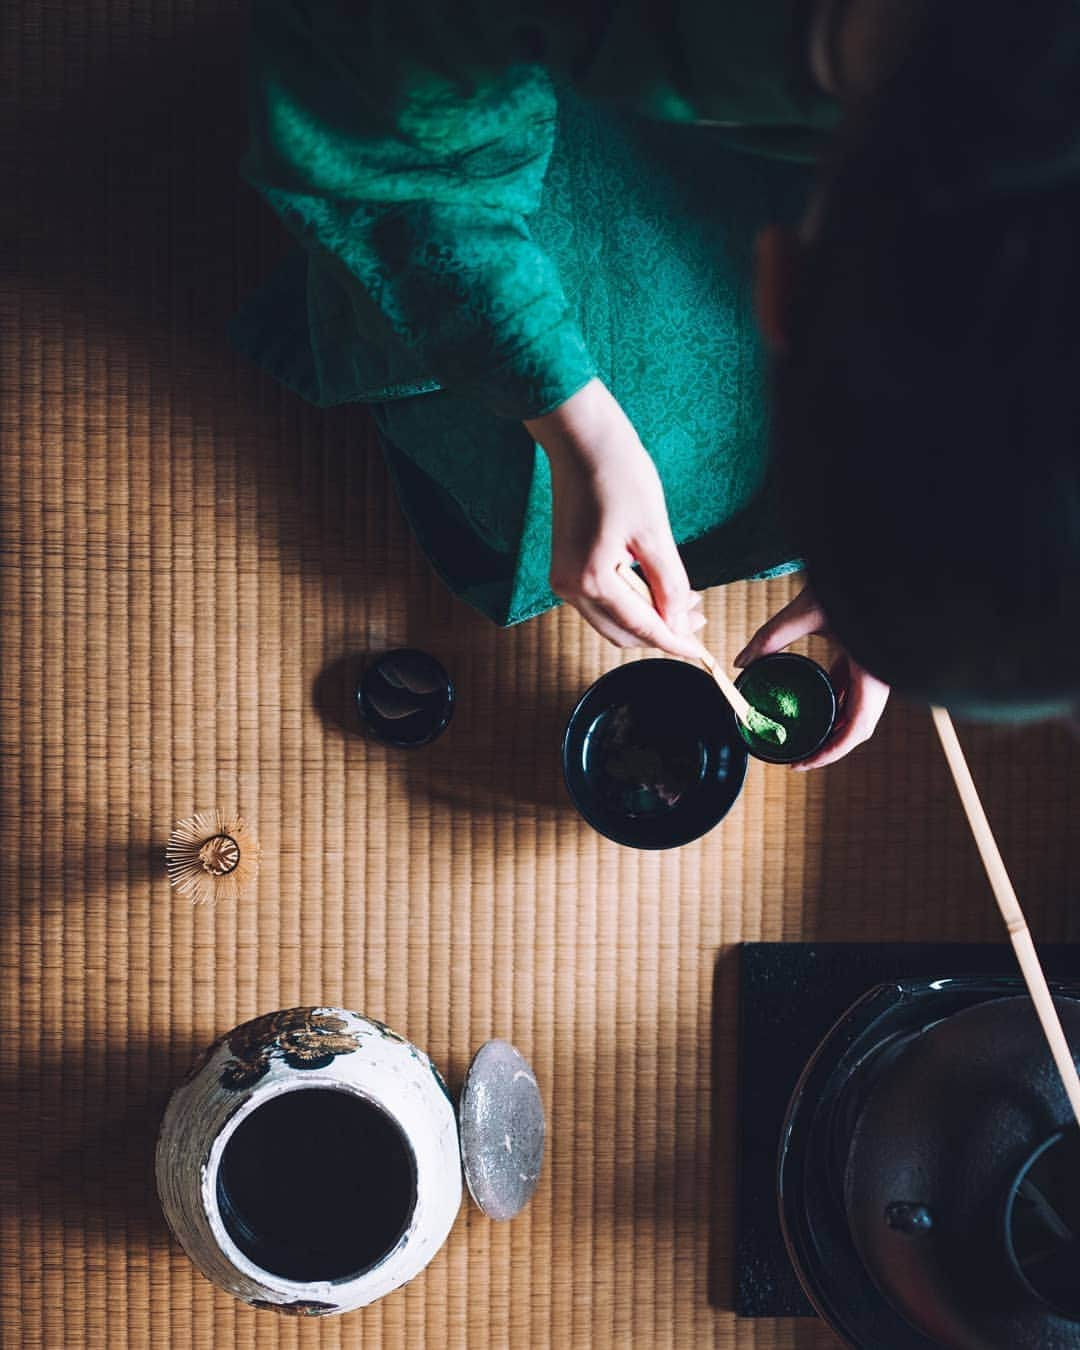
(501, 1124)
(405, 697)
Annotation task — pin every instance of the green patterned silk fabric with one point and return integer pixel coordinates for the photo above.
(478, 245)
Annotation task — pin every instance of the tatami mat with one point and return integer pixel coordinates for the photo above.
(192, 564)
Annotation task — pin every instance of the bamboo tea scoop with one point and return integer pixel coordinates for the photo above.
(1009, 904)
(749, 716)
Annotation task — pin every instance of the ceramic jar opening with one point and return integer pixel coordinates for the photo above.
(316, 1183)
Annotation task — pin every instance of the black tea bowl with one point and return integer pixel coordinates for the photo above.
(777, 685)
(652, 754)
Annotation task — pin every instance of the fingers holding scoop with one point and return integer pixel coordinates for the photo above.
(622, 615)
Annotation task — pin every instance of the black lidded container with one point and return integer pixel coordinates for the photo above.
(406, 698)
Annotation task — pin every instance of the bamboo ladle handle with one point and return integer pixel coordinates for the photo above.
(739, 705)
(1009, 904)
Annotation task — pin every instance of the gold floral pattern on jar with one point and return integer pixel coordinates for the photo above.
(304, 1038)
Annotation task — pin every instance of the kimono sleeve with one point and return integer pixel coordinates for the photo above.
(415, 171)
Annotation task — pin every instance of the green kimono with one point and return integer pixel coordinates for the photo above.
(480, 241)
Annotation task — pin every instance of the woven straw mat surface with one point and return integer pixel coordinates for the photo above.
(193, 564)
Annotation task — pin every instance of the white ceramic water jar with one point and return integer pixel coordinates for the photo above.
(312, 1161)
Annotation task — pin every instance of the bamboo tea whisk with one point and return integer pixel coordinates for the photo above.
(211, 856)
(1009, 904)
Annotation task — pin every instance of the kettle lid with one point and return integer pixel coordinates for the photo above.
(501, 1127)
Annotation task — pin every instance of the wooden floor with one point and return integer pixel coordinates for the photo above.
(192, 565)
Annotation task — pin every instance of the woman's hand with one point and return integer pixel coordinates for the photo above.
(862, 696)
(608, 508)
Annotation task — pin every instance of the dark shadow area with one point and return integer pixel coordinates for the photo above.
(486, 759)
(101, 860)
(106, 1179)
(146, 862)
(135, 241)
(136, 232)
(81, 1147)
(723, 1159)
(143, 276)
(334, 694)
(809, 1334)
(894, 858)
